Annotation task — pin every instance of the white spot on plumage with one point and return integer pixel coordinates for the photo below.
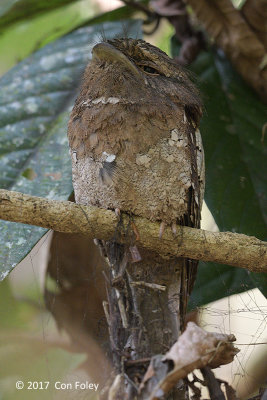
(174, 135)
(170, 158)
(181, 143)
(74, 155)
(143, 160)
(103, 100)
(113, 100)
(93, 139)
(99, 100)
(109, 157)
(86, 103)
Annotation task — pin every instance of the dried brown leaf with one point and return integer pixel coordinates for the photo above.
(198, 346)
(195, 349)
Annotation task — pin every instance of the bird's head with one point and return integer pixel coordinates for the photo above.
(136, 69)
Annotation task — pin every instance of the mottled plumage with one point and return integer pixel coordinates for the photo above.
(135, 146)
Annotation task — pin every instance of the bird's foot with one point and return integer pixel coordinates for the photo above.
(117, 212)
(162, 229)
(136, 256)
(134, 227)
(174, 228)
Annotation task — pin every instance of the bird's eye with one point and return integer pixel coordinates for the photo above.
(149, 70)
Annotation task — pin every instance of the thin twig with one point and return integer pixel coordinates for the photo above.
(153, 286)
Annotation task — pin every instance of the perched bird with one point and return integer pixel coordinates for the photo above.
(135, 147)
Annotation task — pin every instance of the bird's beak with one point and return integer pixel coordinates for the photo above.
(107, 52)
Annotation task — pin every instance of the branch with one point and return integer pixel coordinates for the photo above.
(64, 216)
(255, 14)
(192, 41)
(231, 32)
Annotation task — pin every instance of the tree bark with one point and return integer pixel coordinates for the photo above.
(241, 43)
(63, 216)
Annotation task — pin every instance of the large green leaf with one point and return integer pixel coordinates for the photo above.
(29, 33)
(235, 169)
(39, 24)
(119, 13)
(35, 101)
(248, 116)
(15, 10)
(235, 156)
(215, 281)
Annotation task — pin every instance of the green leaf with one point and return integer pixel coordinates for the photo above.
(36, 97)
(27, 29)
(123, 12)
(16, 10)
(235, 167)
(215, 281)
(119, 13)
(25, 36)
(235, 155)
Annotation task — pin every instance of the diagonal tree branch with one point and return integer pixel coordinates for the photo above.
(233, 34)
(255, 13)
(192, 41)
(64, 216)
